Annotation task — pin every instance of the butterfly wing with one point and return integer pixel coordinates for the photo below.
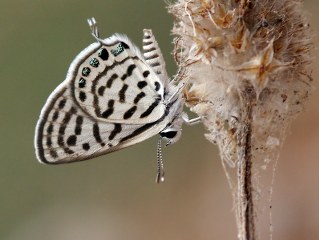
(65, 133)
(111, 82)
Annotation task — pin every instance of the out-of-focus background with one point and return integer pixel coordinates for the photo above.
(115, 196)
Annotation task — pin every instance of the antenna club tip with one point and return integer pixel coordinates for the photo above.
(160, 178)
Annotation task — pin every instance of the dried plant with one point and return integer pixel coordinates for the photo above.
(246, 64)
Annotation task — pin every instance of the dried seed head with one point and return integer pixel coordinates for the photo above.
(231, 46)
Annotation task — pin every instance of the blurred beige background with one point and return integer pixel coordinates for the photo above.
(115, 196)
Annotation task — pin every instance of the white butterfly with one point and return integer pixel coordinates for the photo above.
(113, 97)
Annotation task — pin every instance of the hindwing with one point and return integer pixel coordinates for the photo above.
(65, 133)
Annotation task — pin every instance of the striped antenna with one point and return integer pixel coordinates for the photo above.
(160, 166)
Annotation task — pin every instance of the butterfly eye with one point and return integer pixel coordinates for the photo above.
(168, 134)
(171, 135)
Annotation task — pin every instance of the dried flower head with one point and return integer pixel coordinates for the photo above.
(246, 62)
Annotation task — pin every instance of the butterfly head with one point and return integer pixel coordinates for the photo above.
(171, 134)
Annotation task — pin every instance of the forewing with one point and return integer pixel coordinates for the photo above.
(112, 82)
(65, 133)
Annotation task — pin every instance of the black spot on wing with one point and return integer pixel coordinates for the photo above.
(78, 130)
(50, 129)
(103, 54)
(71, 141)
(79, 120)
(86, 71)
(118, 50)
(124, 77)
(62, 103)
(60, 141)
(117, 129)
(49, 142)
(55, 116)
(101, 90)
(129, 113)
(141, 84)
(53, 153)
(49, 132)
(72, 110)
(130, 69)
(146, 73)
(150, 108)
(122, 93)
(110, 109)
(68, 150)
(82, 83)
(111, 80)
(96, 134)
(125, 45)
(94, 62)
(86, 146)
(139, 97)
(157, 86)
(82, 96)
(78, 125)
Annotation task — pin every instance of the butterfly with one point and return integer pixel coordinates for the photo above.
(113, 97)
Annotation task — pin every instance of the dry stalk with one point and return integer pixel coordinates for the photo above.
(247, 65)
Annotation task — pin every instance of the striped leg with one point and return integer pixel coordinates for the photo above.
(153, 55)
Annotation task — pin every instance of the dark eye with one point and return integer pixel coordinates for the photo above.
(170, 134)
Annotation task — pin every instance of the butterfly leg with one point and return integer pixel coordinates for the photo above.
(176, 93)
(192, 121)
(94, 29)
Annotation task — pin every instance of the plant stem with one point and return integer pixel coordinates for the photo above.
(245, 198)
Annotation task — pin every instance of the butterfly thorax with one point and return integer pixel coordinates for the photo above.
(174, 111)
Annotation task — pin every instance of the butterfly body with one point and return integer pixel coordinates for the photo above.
(113, 97)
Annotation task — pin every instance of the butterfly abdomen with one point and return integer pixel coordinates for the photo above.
(153, 55)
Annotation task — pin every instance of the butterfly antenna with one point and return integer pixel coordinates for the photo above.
(180, 87)
(94, 29)
(179, 58)
(160, 166)
(178, 78)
